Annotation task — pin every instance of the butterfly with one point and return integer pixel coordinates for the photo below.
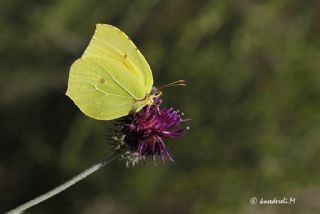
(112, 78)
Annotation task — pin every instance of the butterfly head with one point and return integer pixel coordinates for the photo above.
(154, 93)
(157, 91)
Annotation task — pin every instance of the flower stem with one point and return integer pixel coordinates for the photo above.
(62, 187)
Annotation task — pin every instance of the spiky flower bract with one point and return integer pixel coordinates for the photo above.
(142, 135)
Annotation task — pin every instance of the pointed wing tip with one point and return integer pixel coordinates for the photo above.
(99, 25)
(102, 25)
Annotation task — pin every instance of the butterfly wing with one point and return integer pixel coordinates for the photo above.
(110, 76)
(110, 42)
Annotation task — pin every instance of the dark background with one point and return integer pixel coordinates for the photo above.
(253, 74)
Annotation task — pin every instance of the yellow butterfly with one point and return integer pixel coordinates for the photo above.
(112, 78)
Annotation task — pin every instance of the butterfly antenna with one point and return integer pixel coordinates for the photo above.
(176, 83)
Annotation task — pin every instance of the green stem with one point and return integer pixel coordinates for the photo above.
(62, 187)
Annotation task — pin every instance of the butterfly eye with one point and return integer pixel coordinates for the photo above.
(153, 90)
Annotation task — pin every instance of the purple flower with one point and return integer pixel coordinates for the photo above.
(146, 131)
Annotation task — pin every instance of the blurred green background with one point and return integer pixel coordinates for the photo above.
(253, 73)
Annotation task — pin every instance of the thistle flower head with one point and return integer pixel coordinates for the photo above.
(143, 134)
